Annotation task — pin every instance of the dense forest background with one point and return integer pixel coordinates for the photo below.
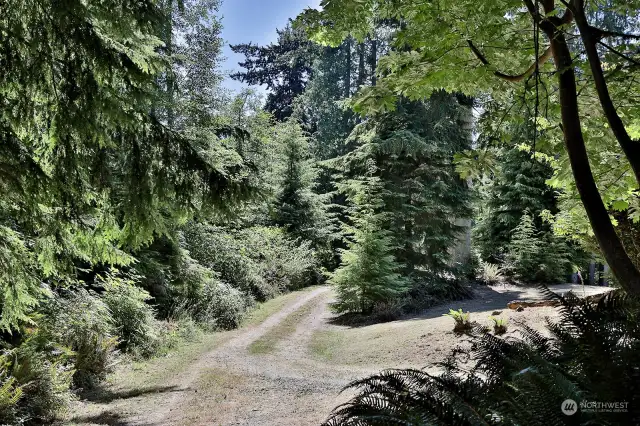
(141, 203)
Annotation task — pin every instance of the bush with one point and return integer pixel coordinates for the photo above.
(260, 261)
(133, 319)
(44, 372)
(489, 273)
(219, 306)
(288, 264)
(10, 392)
(218, 250)
(82, 322)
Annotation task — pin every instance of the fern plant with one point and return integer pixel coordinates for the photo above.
(499, 325)
(462, 324)
(591, 354)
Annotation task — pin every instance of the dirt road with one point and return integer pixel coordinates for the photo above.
(290, 368)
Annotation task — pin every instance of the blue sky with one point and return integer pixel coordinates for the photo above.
(254, 21)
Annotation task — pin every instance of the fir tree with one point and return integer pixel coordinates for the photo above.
(90, 171)
(411, 152)
(296, 206)
(519, 185)
(284, 67)
(369, 272)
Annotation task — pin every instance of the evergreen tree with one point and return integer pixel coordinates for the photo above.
(519, 185)
(284, 67)
(296, 206)
(369, 272)
(411, 151)
(90, 172)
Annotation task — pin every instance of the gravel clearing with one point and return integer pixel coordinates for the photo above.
(299, 378)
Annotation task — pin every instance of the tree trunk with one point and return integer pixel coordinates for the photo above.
(347, 74)
(589, 37)
(361, 71)
(610, 244)
(373, 61)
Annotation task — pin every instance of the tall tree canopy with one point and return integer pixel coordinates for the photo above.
(284, 67)
(88, 167)
(551, 56)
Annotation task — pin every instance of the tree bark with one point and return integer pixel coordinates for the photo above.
(589, 37)
(610, 244)
(347, 75)
(373, 60)
(361, 71)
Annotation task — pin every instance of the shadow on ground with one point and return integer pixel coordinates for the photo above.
(105, 395)
(107, 418)
(490, 297)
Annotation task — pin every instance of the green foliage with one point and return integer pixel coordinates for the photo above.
(287, 264)
(489, 273)
(284, 67)
(590, 354)
(369, 272)
(499, 325)
(535, 257)
(261, 262)
(82, 322)
(217, 249)
(488, 53)
(133, 318)
(461, 319)
(297, 208)
(43, 371)
(410, 152)
(518, 185)
(10, 392)
(218, 306)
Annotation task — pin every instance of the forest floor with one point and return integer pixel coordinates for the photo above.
(288, 363)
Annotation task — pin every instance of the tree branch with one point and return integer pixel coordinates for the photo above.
(617, 52)
(605, 33)
(546, 55)
(590, 39)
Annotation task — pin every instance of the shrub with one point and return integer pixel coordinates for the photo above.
(10, 392)
(499, 325)
(490, 273)
(288, 264)
(82, 322)
(388, 311)
(218, 250)
(133, 319)
(260, 261)
(461, 319)
(44, 372)
(219, 306)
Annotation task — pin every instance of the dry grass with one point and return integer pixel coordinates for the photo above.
(267, 342)
(266, 309)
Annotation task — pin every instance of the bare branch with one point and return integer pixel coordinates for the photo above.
(546, 55)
